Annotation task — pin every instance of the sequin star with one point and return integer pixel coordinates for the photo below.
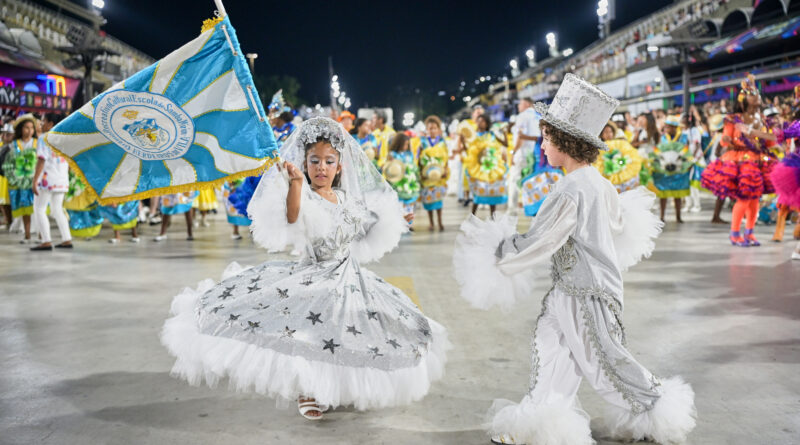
(253, 288)
(283, 293)
(254, 280)
(425, 332)
(217, 309)
(375, 353)
(393, 342)
(353, 330)
(329, 344)
(288, 333)
(233, 317)
(372, 315)
(227, 293)
(314, 318)
(253, 325)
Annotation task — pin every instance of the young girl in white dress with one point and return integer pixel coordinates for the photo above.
(322, 330)
(591, 234)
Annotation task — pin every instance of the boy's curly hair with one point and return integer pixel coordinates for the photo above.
(570, 145)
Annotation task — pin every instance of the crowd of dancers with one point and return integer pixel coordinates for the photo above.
(739, 151)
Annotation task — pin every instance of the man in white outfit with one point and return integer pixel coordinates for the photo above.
(50, 184)
(526, 134)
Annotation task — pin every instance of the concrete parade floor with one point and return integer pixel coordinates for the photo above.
(81, 362)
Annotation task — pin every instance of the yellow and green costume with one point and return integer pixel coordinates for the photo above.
(433, 156)
(486, 170)
(621, 164)
(18, 169)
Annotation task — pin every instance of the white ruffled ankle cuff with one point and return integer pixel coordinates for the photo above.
(667, 423)
(555, 423)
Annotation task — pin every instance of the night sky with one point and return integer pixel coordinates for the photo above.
(376, 46)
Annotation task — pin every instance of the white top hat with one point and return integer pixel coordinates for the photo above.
(579, 109)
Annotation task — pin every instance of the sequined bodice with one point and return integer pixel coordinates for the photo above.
(344, 225)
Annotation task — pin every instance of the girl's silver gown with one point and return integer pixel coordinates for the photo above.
(322, 326)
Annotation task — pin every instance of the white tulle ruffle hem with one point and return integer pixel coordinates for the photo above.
(480, 281)
(249, 368)
(556, 423)
(669, 422)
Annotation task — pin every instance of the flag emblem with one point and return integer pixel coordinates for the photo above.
(146, 125)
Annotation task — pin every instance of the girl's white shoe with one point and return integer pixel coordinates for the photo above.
(503, 439)
(309, 406)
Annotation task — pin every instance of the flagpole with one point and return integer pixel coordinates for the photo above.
(220, 8)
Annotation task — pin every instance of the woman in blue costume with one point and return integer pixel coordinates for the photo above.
(236, 218)
(538, 178)
(368, 142)
(122, 216)
(283, 127)
(175, 204)
(401, 171)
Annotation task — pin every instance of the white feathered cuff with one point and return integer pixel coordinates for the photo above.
(475, 267)
(384, 227)
(640, 227)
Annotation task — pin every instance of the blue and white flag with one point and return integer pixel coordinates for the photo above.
(189, 121)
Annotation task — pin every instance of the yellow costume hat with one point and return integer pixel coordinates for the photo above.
(673, 120)
(394, 170)
(716, 122)
(24, 118)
